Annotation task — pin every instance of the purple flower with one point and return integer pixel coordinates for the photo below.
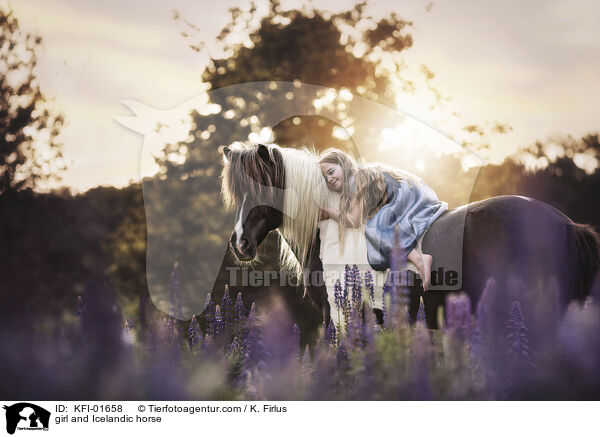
(296, 337)
(338, 295)
(348, 282)
(209, 314)
(356, 287)
(458, 316)
(219, 325)
(331, 334)
(387, 298)
(517, 335)
(80, 307)
(193, 332)
(369, 285)
(207, 301)
(175, 299)
(227, 310)
(239, 311)
(421, 311)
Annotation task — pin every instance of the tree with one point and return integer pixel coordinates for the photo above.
(345, 50)
(28, 131)
(187, 222)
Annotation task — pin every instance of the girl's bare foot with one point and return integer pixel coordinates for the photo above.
(426, 274)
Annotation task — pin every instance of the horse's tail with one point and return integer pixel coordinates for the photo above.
(585, 254)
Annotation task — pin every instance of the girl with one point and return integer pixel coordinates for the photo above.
(384, 200)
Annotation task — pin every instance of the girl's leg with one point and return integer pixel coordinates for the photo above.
(423, 263)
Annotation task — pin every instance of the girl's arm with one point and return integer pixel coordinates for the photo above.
(353, 215)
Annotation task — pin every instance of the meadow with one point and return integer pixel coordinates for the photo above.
(254, 354)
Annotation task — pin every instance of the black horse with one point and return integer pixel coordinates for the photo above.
(504, 237)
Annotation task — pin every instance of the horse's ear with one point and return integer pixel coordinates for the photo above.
(227, 153)
(263, 153)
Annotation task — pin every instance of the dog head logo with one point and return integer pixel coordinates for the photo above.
(25, 416)
(183, 202)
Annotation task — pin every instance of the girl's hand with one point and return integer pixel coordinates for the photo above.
(323, 214)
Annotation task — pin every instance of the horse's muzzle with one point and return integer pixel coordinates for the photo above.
(245, 250)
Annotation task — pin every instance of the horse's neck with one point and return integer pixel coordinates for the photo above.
(293, 247)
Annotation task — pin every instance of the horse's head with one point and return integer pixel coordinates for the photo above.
(253, 182)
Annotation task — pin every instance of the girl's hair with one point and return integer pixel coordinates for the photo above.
(369, 189)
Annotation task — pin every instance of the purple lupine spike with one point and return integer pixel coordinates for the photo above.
(354, 328)
(207, 301)
(342, 361)
(367, 329)
(331, 334)
(356, 287)
(348, 282)
(175, 299)
(80, 307)
(235, 346)
(421, 311)
(338, 295)
(458, 316)
(239, 311)
(517, 335)
(227, 310)
(296, 337)
(248, 331)
(387, 294)
(478, 348)
(193, 332)
(127, 334)
(369, 286)
(219, 324)
(252, 345)
(209, 313)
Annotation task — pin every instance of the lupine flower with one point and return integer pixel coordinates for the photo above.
(369, 286)
(207, 301)
(331, 334)
(421, 311)
(421, 362)
(348, 282)
(219, 325)
(175, 299)
(127, 335)
(251, 340)
(367, 328)
(80, 307)
(193, 332)
(517, 335)
(209, 314)
(356, 287)
(387, 299)
(338, 295)
(239, 311)
(227, 310)
(458, 316)
(296, 337)
(477, 344)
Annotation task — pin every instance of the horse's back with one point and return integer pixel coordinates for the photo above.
(496, 236)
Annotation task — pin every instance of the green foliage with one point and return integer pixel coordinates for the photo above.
(28, 131)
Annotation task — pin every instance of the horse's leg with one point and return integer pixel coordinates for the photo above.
(316, 293)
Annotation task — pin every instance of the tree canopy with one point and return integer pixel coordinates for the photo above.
(29, 148)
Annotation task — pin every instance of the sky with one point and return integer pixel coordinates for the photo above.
(533, 65)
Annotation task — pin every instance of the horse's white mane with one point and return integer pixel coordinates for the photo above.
(306, 192)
